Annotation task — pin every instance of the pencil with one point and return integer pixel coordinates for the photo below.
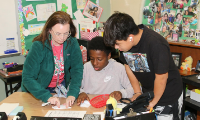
(150, 110)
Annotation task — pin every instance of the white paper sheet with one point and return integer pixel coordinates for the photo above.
(79, 16)
(121, 105)
(45, 10)
(77, 28)
(73, 114)
(61, 107)
(8, 107)
(86, 103)
(87, 23)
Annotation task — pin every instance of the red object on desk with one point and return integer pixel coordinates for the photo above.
(15, 72)
(99, 101)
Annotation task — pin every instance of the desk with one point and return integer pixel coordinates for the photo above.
(191, 80)
(32, 106)
(8, 80)
(186, 102)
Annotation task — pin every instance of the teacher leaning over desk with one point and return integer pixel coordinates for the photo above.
(54, 60)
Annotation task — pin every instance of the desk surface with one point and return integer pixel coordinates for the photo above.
(9, 76)
(32, 106)
(186, 73)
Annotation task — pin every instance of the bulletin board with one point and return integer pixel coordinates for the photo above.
(175, 20)
(26, 41)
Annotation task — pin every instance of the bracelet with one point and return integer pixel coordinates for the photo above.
(137, 93)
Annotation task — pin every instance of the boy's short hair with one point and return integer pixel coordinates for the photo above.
(97, 43)
(118, 27)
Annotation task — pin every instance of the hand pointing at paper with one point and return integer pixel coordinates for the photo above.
(70, 101)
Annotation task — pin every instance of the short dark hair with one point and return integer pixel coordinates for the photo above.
(97, 43)
(118, 27)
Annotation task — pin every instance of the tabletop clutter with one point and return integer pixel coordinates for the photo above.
(11, 68)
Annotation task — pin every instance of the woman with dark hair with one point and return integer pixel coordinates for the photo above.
(179, 18)
(54, 61)
(165, 18)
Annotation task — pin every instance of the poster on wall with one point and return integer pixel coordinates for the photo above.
(172, 18)
(45, 10)
(80, 4)
(92, 11)
(29, 12)
(66, 6)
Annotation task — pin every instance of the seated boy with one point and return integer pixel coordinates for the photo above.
(102, 75)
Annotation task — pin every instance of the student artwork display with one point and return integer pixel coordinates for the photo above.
(29, 12)
(65, 5)
(45, 10)
(92, 11)
(35, 29)
(173, 19)
(80, 4)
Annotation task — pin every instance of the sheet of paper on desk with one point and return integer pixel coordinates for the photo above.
(8, 107)
(86, 103)
(61, 107)
(121, 105)
(73, 114)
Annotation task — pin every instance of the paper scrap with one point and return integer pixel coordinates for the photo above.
(26, 32)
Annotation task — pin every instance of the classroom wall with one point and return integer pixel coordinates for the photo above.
(9, 27)
(131, 7)
(8, 24)
(105, 4)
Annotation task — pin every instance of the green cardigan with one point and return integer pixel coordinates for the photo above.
(39, 68)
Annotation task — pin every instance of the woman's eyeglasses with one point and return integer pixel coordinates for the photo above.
(67, 34)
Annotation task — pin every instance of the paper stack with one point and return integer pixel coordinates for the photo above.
(11, 108)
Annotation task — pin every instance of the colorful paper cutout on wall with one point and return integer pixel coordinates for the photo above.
(35, 29)
(81, 4)
(29, 12)
(65, 5)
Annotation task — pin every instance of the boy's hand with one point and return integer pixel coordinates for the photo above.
(135, 96)
(83, 96)
(116, 94)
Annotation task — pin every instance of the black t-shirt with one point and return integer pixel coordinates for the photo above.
(152, 56)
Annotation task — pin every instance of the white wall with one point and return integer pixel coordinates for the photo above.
(131, 7)
(8, 23)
